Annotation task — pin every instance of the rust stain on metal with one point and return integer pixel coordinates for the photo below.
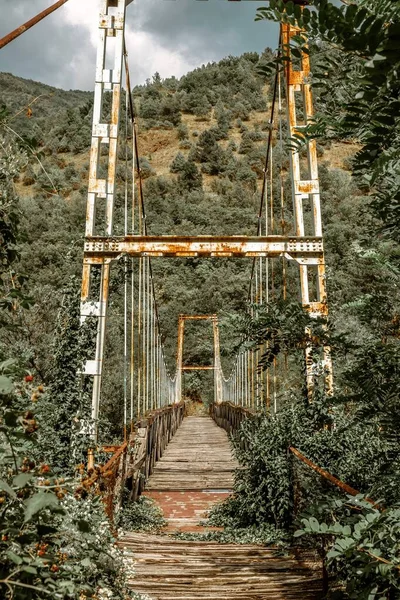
(85, 283)
(308, 187)
(116, 105)
(197, 317)
(205, 246)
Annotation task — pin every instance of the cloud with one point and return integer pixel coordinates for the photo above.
(168, 36)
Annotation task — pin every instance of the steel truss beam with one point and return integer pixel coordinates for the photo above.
(306, 250)
(197, 368)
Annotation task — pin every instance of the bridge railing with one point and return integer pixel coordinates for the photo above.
(133, 462)
(229, 416)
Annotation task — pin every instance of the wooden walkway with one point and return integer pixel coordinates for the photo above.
(195, 472)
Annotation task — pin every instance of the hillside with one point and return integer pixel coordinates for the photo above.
(202, 143)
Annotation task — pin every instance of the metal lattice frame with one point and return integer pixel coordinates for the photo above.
(244, 385)
(102, 191)
(306, 188)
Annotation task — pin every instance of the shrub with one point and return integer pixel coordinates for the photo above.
(29, 177)
(142, 515)
(182, 132)
(178, 163)
(146, 169)
(185, 145)
(53, 542)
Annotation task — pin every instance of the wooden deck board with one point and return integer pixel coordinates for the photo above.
(195, 472)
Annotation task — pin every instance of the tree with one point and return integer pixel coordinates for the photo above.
(150, 109)
(182, 132)
(12, 294)
(170, 110)
(202, 108)
(190, 177)
(178, 164)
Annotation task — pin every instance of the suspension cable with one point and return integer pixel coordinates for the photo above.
(126, 277)
(267, 157)
(150, 354)
(29, 24)
(135, 136)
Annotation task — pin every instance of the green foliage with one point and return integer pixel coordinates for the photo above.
(142, 515)
(264, 534)
(363, 544)
(178, 164)
(264, 485)
(63, 411)
(269, 483)
(189, 178)
(283, 326)
(182, 132)
(53, 543)
(12, 293)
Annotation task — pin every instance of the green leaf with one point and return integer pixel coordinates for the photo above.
(83, 526)
(371, 517)
(346, 530)
(314, 525)
(6, 488)
(6, 364)
(14, 557)
(11, 418)
(6, 385)
(22, 479)
(384, 569)
(45, 529)
(31, 570)
(38, 502)
(298, 533)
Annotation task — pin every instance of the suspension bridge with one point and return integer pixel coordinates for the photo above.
(184, 462)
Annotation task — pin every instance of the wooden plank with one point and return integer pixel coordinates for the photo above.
(198, 458)
(195, 471)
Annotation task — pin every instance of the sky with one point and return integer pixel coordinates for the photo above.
(168, 36)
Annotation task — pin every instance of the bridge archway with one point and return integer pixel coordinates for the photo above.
(216, 367)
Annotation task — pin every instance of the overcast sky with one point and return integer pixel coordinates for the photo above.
(168, 36)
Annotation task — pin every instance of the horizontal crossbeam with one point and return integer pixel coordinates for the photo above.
(99, 248)
(194, 368)
(197, 317)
